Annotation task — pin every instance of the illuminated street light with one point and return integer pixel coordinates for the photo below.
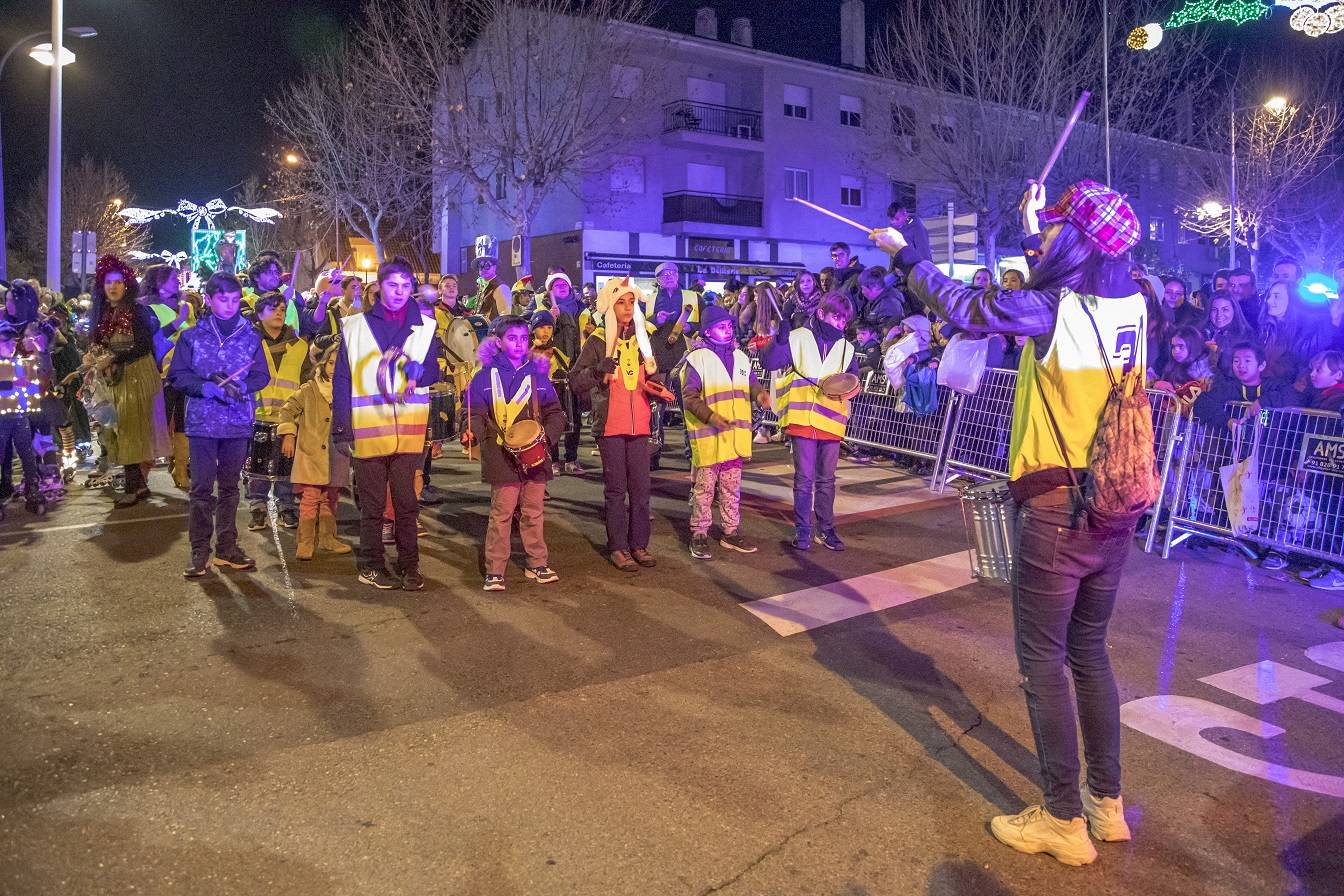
(292, 158)
(1213, 208)
(42, 53)
(1277, 104)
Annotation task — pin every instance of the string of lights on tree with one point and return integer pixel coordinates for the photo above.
(1312, 17)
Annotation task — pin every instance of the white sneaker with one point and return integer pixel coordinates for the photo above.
(1034, 830)
(1105, 817)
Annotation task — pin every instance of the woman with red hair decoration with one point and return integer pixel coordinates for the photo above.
(123, 351)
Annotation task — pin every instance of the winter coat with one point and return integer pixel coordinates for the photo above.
(587, 379)
(387, 334)
(1211, 406)
(307, 413)
(497, 468)
(204, 353)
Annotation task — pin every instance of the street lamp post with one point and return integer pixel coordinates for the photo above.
(1276, 105)
(54, 151)
(21, 42)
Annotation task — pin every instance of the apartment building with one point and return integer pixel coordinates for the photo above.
(733, 132)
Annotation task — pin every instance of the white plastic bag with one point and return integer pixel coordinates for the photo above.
(893, 360)
(963, 363)
(1241, 483)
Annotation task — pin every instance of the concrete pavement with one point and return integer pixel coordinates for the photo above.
(290, 730)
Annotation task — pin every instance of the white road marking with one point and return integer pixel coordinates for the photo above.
(800, 611)
(139, 519)
(859, 488)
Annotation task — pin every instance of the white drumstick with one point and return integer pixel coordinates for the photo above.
(830, 214)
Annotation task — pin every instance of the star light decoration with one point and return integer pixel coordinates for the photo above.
(1235, 12)
(1315, 17)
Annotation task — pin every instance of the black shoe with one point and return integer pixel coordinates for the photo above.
(700, 547)
(200, 565)
(379, 578)
(258, 520)
(234, 558)
(411, 580)
(289, 519)
(130, 499)
(431, 496)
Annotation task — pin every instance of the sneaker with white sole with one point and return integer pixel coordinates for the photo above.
(1331, 580)
(493, 583)
(1105, 817)
(542, 575)
(700, 547)
(735, 542)
(1034, 830)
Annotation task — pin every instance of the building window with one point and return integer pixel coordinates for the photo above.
(1157, 230)
(627, 174)
(626, 81)
(903, 127)
(851, 192)
(501, 186)
(797, 183)
(851, 111)
(944, 127)
(904, 194)
(1155, 169)
(797, 101)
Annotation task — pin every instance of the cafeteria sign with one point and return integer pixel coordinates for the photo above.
(1323, 454)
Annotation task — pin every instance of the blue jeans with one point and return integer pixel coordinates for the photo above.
(1063, 594)
(215, 461)
(814, 462)
(259, 493)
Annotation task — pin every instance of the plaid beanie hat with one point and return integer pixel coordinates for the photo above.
(1099, 212)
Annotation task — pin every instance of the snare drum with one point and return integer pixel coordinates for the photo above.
(264, 458)
(990, 514)
(839, 386)
(525, 442)
(442, 415)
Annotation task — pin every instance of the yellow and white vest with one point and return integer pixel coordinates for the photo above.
(1073, 379)
(800, 400)
(166, 314)
(284, 379)
(383, 426)
(726, 393)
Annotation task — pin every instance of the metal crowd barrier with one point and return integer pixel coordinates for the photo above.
(1300, 469)
(979, 431)
(879, 418)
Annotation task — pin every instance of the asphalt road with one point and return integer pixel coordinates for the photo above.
(292, 731)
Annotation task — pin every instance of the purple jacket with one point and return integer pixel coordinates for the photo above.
(204, 353)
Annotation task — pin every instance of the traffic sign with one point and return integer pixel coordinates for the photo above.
(83, 252)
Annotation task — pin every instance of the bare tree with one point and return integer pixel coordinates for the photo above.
(91, 195)
(305, 226)
(362, 163)
(980, 89)
(1286, 156)
(523, 97)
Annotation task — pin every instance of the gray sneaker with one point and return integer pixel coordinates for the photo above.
(735, 542)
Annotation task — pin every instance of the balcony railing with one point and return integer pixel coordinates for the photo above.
(706, 118)
(712, 208)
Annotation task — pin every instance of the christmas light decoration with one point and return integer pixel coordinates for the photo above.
(198, 214)
(1236, 12)
(1145, 37)
(1315, 17)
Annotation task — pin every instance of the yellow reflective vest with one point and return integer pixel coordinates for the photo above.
(800, 400)
(285, 377)
(727, 394)
(385, 425)
(166, 314)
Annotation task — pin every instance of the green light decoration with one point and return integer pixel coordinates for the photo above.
(205, 250)
(1236, 12)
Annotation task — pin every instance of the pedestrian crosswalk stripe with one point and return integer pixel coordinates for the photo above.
(800, 611)
(859, 489)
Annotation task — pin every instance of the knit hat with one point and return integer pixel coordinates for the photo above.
(558, 275)
(666, 266)
(542, 319)
(1099, 212)
(713, 315)
(617, 288)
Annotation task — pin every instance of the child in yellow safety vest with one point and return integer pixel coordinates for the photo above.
(717, 387)
(287, 366)
(813, 420)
